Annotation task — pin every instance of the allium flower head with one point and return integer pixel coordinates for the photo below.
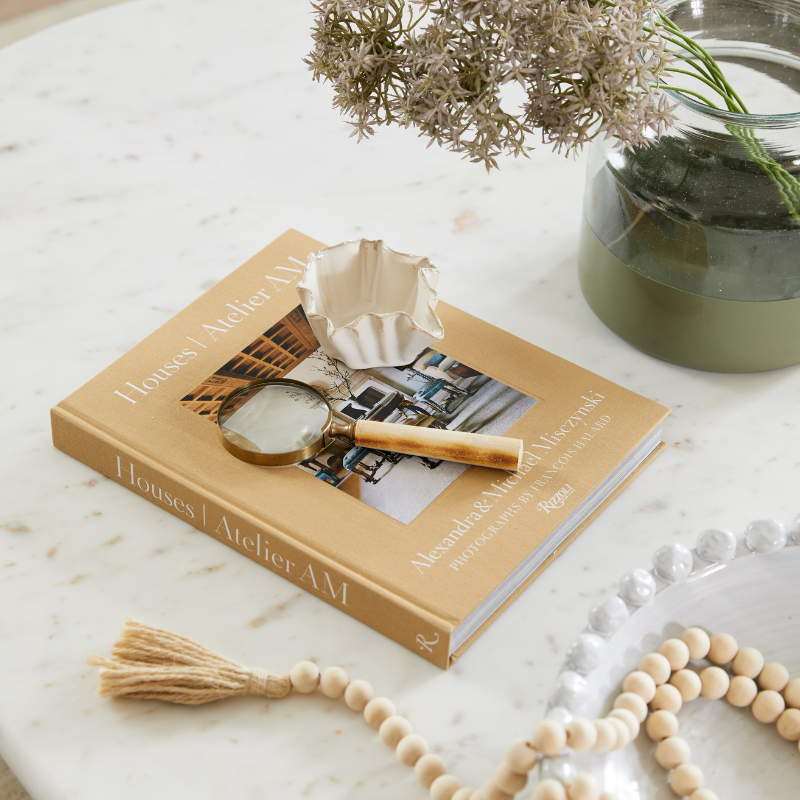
(587, 67)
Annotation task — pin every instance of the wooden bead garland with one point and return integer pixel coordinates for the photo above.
(633, 703)
(791, 693)
(774, 676)
(333, 681)
(508, 780)
(723, 649)
(581, 734)
(748, 662)
(429, 768)
(358, 694)
(687, 683)
(661, 725)
(715, 683)
(676, 651)
(686, 779)
(788, 724)
(305, 677)
(662, 680)
(445, 787)
(410, 749)
(549, 738)
(378, 710)
(768, 706)
(667, 698)
(672, 752)
(521, 756)
(629, 718)
(657, 667)
(742, 691)
(698, 642)
(640, 683)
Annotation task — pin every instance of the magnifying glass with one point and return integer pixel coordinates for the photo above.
(275, 423)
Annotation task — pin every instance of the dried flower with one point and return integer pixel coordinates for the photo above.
(587, 67)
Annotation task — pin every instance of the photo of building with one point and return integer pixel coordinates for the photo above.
(433, 391)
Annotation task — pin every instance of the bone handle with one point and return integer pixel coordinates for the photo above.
(500, 452)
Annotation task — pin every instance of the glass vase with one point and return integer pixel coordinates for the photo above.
(690, 248)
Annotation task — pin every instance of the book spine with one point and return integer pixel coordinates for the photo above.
(396, 618)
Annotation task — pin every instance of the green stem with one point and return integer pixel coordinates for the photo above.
(692, 92)
(704, 56)
(787, 185)
(708, 82)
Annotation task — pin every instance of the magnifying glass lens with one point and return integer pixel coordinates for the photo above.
(274, 418)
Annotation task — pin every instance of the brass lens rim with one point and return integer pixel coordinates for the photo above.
(274, 459)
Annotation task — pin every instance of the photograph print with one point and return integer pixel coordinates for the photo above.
(432, 391)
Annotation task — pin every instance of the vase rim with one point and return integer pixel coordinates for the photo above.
(724, 116)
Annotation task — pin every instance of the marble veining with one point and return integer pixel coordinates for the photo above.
(145, 152)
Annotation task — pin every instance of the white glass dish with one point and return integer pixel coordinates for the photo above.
(756, 598)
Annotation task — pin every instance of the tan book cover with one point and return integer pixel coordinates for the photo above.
(426, 552)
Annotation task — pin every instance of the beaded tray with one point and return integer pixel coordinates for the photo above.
(755, 596)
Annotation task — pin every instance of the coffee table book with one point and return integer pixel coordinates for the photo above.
(425, 552)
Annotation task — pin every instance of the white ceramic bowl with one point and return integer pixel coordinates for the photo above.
(370, 306)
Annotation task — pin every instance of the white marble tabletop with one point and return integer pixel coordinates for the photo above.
(145, 152)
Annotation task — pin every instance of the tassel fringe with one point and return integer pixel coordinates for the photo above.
(148, 663)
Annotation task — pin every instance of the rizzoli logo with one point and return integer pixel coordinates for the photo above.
(557, 500)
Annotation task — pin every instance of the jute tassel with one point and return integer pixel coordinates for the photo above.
(151, 664)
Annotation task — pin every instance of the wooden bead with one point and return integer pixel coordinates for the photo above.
(549, 737)
(698, 642)
(714, 683)
(550, 789)
(491, 791)
(378, 710)
(358, 694)
(667, 698)
(510, 780)
(676, 651)
(392, 730)
(687, 683)
(640, 683)
(774, 676)
(429, 768)
(742, 691)
(748, 662)
(672, 752)
(445, 787)
(657, 667)
(704, 794)
(464, 793)
(789, 724)
(333, 681)
(723, 648)
(521, 756)
(629, 718)
(768, 706)
(304, 677)
(583, 787)
(661, 725)
(581, 734)
(685, 779)
(633, 703)
(622, 730)
(411, 748)
(606, 736)
(791, 693)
